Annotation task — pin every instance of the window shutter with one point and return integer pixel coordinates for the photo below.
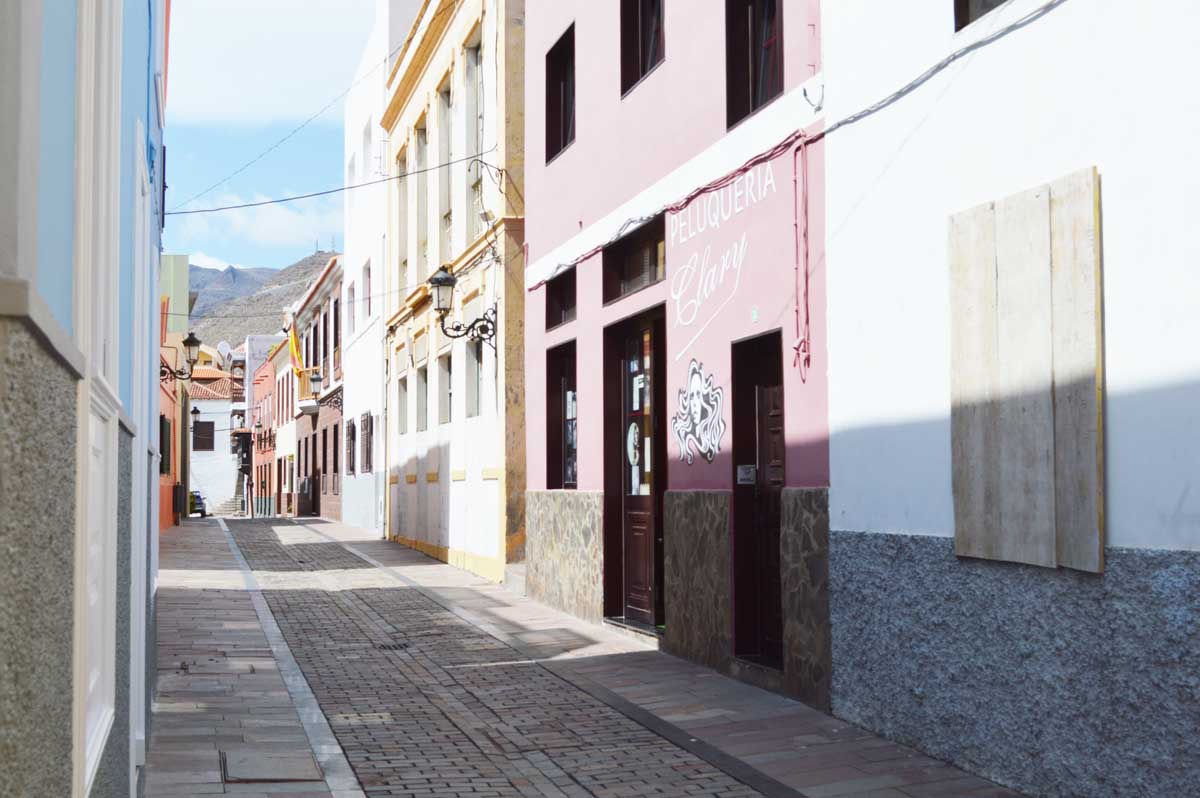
(164, 445)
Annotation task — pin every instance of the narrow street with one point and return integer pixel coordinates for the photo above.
(304, 648)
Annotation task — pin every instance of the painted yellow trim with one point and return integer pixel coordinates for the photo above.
(411, 479)
(458, 475)
(493, 473)
(394, 479)
(425, 47)
(418, 297)
(490, 568)
(1096, 211)
(431, 476)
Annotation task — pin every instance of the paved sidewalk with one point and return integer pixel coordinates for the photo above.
(224, 720)
(513, 677)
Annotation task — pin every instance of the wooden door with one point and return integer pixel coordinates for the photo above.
(639, 479)
(768, 488)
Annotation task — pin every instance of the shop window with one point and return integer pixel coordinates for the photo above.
(445, 391)
(967, 11)
(753, 56)
(422, 398)
(642, 41)
(560, 299)
(560, 94)
(634, 262)
(562, 430)
(202, 436)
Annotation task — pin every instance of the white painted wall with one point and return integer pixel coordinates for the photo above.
(214, 473)
(1093, 82)
(365, 230)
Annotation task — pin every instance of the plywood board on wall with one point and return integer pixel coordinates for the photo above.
(1025, 400)
(1078, 380)
(974, 361)
(1026, 377)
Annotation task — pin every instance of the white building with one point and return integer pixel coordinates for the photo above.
(1009, 254)
(213, 466)
(363, 360)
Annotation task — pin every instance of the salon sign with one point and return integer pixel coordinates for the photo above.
(709, 251)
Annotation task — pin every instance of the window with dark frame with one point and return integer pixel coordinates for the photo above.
(368, 435)
(562, 426)
(753, 56)
(560, 94)
(203, 436)
(351, 442)
(635, 261)
(337, 324)
(164, 445)
(560, 299)
(336, 450)
(642, 40)
(324, 451)
(967, 11)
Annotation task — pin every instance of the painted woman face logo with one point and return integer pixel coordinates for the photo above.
(698, 422)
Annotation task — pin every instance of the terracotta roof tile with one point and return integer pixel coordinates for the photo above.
(217, 389)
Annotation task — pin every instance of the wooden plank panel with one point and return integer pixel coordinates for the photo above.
(1024, 396)
(974, 362)
(1078, 382)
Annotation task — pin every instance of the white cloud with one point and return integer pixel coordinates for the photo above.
(259, 61)
(283, 224)
(209, 262)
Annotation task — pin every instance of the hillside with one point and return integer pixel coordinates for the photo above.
(260, 312)
(218, 286)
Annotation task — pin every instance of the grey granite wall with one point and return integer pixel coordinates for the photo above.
(804, 566)
(1055, 682)
(564, 549)
(112, 774)
(37, 545)
(696, 579)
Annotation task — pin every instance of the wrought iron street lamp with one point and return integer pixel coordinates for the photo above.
(191, 349)
(481, 329)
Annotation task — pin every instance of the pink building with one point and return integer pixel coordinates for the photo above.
(675, 328)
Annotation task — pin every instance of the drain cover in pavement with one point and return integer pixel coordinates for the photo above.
(258, 767)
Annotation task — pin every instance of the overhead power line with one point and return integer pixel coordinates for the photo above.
(339, 189)
(294, 130)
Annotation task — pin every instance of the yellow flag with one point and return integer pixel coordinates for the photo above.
(294, 347)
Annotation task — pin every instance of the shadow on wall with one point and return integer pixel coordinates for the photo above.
(1054, 681)
(421, 507)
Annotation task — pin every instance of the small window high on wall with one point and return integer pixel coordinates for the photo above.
(753, 56)
(642, 41)
(562, 439)
(560, 299)
(560, 94)
(636, 261)
(967, 11)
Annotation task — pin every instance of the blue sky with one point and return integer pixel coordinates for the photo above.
(242, 74)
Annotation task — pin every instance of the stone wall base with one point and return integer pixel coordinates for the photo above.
(1055, 682)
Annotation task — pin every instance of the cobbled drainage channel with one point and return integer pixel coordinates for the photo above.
(425, 704)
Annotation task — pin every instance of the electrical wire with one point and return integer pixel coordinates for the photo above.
(298, 128)
(476, 157)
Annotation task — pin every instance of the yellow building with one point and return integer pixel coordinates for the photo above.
(455, 436)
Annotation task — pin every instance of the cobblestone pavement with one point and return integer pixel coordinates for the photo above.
(424, 703)
(221, 701)
(434, 682)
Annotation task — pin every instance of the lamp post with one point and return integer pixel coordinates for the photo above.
(481, 329)
(191, 348)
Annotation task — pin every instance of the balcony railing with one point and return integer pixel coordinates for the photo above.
(304, 388)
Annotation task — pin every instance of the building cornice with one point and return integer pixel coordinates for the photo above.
(422, 44)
